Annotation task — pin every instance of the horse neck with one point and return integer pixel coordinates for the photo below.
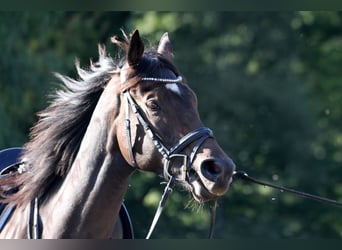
(88, 201)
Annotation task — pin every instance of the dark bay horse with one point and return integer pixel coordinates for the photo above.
(119, 116)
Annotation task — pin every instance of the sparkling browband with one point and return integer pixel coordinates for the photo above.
(155, 79)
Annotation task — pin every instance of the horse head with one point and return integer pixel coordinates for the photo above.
(160, 128)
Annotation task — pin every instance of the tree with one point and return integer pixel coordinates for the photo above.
(35, 44)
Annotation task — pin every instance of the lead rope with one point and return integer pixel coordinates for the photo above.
(244, 176)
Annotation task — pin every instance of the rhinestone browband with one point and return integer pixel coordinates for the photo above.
(155, 79)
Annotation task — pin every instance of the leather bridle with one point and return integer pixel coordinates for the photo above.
(197, 136)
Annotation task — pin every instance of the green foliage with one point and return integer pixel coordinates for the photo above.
(268, 84)
(35, 44)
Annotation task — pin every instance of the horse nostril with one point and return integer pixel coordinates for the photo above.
(211, 169)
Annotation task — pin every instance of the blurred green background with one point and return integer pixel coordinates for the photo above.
(269, 84)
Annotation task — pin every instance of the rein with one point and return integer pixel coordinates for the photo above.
(198, 135)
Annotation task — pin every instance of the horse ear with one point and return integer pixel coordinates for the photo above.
(135, 49)
(165, 47)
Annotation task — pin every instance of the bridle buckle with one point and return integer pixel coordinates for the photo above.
(178, 174)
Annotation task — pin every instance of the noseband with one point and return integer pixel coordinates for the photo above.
(199, 135)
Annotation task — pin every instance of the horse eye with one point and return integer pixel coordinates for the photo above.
(153, 105)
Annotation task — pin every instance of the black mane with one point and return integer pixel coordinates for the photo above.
(56, 137)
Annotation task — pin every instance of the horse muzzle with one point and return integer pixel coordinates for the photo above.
(212, 178)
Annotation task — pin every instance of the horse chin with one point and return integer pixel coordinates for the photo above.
(201, 195)
(199, 192)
